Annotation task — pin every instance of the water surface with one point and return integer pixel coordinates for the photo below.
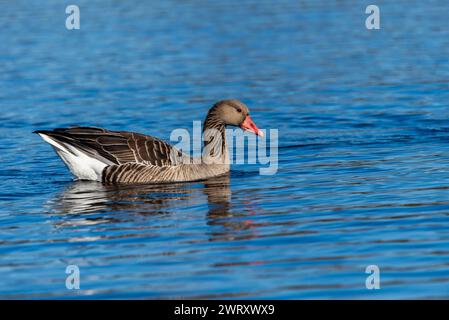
(363, 160)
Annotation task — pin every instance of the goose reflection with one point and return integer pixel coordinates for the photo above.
(88, 197)
(85, 203)
(220, 214)
(85, 198)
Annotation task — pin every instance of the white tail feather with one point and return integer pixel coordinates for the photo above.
(81, 165)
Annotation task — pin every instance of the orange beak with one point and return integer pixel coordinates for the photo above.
(249, 125)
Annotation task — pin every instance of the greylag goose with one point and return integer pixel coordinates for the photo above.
(98, 154)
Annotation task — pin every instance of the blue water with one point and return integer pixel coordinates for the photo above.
(363, 123)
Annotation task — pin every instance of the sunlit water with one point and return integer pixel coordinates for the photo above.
(363, 125)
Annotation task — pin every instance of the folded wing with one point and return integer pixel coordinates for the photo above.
(116, 147)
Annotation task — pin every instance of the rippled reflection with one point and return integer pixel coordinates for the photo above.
(84, 197)
(85, 203)
(87, 197)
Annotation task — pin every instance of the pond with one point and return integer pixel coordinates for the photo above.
(363, 158)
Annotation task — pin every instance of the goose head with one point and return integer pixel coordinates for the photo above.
(235, 113)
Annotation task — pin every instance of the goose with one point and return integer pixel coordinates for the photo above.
(116, 157)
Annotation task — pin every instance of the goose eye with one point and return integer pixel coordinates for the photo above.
(239, 110)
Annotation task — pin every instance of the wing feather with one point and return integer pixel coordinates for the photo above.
(118, 147)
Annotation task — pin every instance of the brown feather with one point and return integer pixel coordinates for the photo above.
(119, 147)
